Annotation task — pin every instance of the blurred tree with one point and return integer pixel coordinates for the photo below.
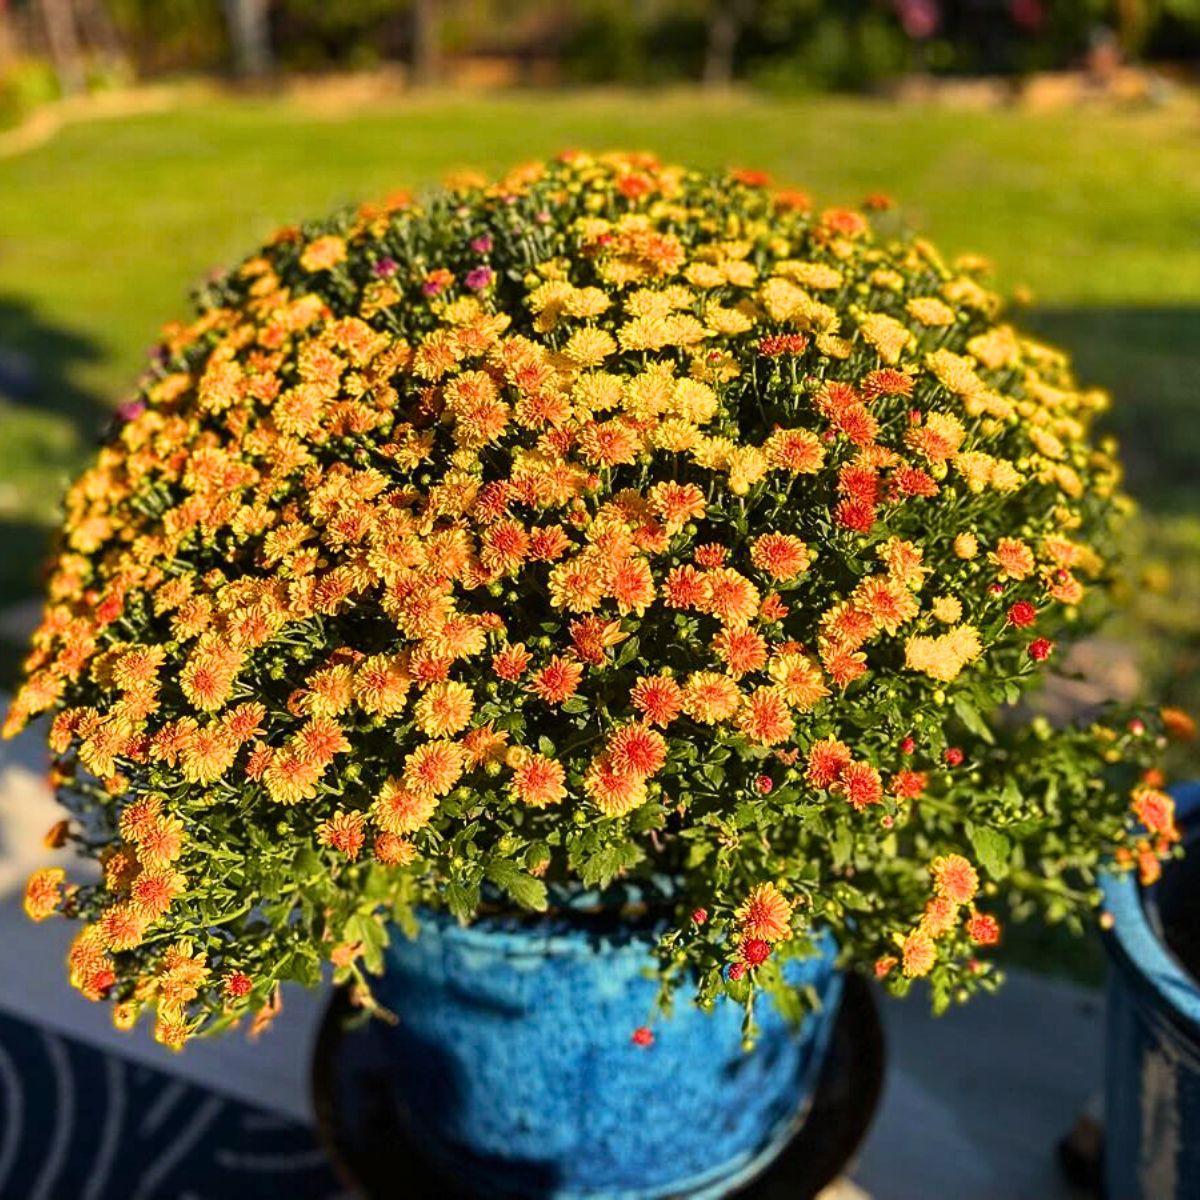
(726, 19)
(250, 37)
(426, 42)
(62, 36)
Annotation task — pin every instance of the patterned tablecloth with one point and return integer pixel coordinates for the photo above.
(78, 1123)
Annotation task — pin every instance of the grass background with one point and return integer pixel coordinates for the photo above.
(104, 228)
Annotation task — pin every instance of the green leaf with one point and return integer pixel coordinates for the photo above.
(527, 891)
(608, 862)
(992, 849)
(576, 704)
(968, 714)
(628, 653)
(842, 844)
(462, 898)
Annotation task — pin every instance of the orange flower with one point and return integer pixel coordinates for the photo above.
(826, 762)
(614, 792)
(709, 697)
(398, 808)
(677, 503)
(730, 597)
(207, 676)
(1013, 558)
(918, 955)
(941, 915)
(161, 841)
(780, 555)
(153, 890)
(742, 650)
(796, 450)
(954, 878)
(122, 926)
(1156, 811)
(434, 768)
(983, 929)
(861, 785)
(444, 708)
(557, 681)
(765, 914)
(1179, 725)
(684, 587)
(764, 716)
(637, 750)
(381, 684)
(539, 782)
(392, 850)
(344, 832)
(43, 892)
(631, 585)
(510, 662)
(658, 698)
(323, 253)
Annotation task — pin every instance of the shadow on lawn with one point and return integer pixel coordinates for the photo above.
(1149, 359)
(38, 361)
(39, 366)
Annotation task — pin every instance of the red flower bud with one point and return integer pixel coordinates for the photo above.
(953, 756)
(1040, 649)
(1022, 613)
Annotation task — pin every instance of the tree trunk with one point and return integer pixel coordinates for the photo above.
(8, 37)
(726, 19)
(250, 37)
(63, 40)
(99, 30)
(426, 51)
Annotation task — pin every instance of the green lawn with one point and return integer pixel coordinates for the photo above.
(103, 230)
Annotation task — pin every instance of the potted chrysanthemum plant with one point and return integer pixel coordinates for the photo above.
(571, 601)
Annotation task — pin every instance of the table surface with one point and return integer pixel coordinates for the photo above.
(974, 1104)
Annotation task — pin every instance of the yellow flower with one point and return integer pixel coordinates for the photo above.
(946, 609)
(943, 657)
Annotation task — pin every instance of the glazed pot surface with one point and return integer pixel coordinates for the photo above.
(514, 1068)
(1152, 1077)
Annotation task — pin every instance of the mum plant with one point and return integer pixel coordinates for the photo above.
(609, 522)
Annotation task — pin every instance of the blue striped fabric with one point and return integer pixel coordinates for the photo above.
(77, 1123)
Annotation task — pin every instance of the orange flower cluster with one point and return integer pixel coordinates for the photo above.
(545, 520)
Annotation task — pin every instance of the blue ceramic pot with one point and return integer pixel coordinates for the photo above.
(514, 1069)
(1152, 1084)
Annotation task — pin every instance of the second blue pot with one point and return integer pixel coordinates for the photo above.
(1152, 1085)
(514, 1068)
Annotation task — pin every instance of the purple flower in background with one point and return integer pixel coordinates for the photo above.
(479, 278)
(131, 409)
(385, 267)
(482, 244)
(920, 18)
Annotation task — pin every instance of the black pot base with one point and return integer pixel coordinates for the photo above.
(372, 1153)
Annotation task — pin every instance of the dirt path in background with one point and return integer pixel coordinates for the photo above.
(45, 122)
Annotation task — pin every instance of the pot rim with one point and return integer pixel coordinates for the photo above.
(1136, 949)
(575, 931)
